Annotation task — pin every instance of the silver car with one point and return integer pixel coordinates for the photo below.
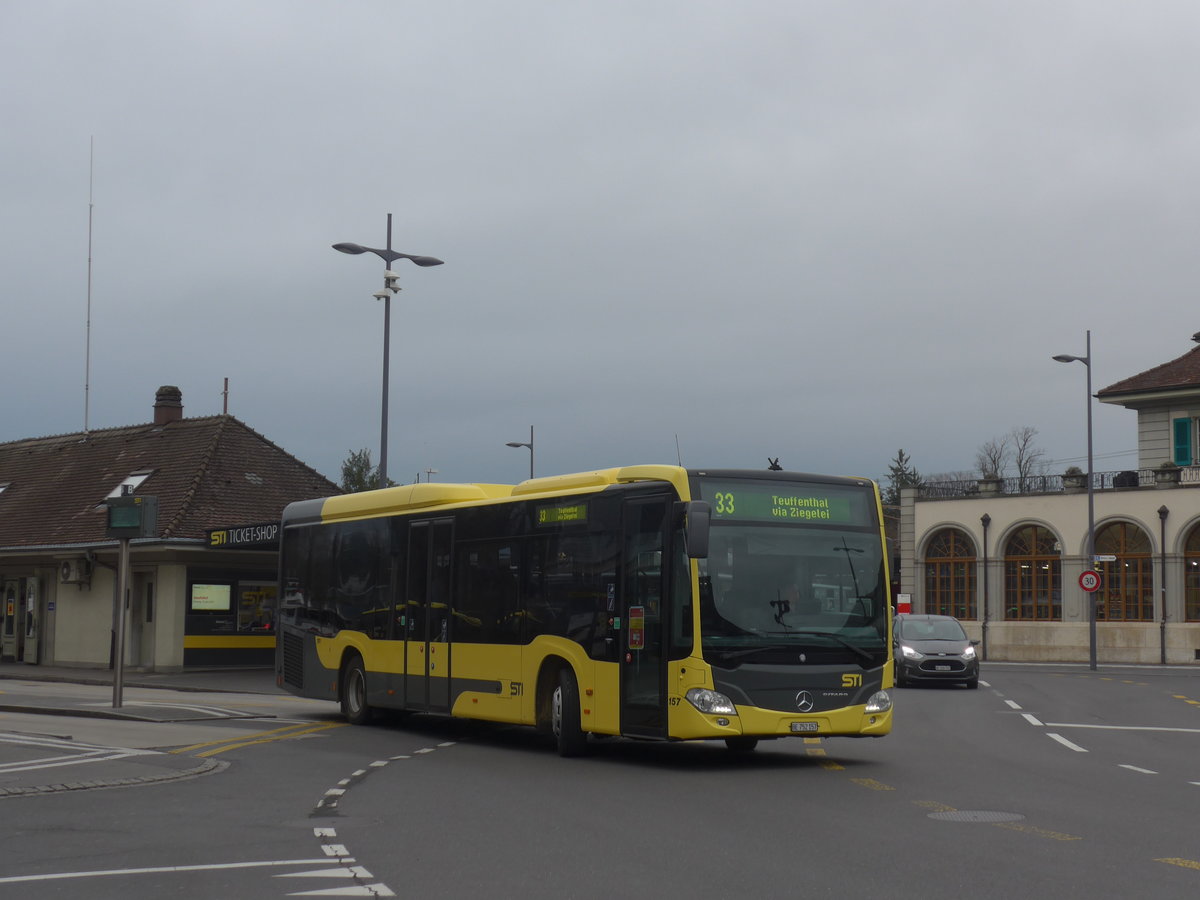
(933, 648)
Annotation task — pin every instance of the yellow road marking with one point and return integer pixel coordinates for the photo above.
(1037, 832)
(934, 806)
(260, 737)
(1185, 863)
(872, 784)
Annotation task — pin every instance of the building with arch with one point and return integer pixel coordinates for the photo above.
(1005, 555)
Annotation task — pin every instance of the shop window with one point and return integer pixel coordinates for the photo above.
(1191, 576)
(1127, 583)
(1033, 576)
(950, 567)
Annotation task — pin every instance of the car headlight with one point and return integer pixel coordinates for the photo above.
(969, 653)
(911, 653)
(880, 702)
(712, 702)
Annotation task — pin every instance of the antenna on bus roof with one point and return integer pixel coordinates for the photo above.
(678, 455)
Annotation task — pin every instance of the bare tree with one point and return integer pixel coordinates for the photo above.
(1027, 457)
(992, 457)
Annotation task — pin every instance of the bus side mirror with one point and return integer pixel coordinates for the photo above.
(696, 528)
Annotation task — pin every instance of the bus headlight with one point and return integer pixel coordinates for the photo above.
(711, 702)
(880, 702)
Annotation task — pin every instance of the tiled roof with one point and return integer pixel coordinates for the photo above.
(1183, 372)
(206, 473)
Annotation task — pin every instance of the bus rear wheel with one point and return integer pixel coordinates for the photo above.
(564, 716)
(354, 692)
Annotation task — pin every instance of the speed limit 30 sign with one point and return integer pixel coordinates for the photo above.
(1089, 581)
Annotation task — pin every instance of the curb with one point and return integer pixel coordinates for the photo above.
(207, 767)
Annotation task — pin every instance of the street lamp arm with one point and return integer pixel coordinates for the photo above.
(388, 256)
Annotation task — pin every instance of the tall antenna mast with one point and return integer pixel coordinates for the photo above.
(87, 355)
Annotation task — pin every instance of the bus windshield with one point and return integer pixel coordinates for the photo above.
(780, 587)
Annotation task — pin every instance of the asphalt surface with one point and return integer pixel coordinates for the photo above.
(60, 730)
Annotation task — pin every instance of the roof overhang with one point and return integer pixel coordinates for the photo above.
(1159, 397)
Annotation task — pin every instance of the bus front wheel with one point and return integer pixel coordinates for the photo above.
(354, 692)
(741, 744)
(564, 716)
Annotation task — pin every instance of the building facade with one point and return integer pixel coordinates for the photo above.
(202, 590)
(1007, 555)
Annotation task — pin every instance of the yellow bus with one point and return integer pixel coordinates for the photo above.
(651, 602)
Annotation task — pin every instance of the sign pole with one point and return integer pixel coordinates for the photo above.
(119, 641)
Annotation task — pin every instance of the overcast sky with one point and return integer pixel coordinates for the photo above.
(715, 231)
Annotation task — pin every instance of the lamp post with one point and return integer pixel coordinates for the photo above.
(985, 520)
(1163, 512)
(1091, 506)
(390, 279)
(523, 444)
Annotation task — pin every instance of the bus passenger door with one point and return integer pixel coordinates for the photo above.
(643, 711)
(427, 615)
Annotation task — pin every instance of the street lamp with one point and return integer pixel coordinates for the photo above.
(390, 279)
(523, 444)
(1091, 539)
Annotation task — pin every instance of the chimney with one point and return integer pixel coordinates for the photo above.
(168, 405)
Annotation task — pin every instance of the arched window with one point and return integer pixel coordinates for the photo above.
(1126, 585)
(1191, 576)
(950, 575)
(1032, 576)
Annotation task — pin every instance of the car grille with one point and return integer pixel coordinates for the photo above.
(942, 665)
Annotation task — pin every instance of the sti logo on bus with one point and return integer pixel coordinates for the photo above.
(852, 679)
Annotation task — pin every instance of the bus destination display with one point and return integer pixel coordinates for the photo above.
(561, 514)
(785, 503)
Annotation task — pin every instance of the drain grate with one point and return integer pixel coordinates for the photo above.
(976, 815)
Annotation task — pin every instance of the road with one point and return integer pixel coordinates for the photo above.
(1043, 783)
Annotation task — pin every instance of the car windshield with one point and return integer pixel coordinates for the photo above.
(932, 630)
(769, 591)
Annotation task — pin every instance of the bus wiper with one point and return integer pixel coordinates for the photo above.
(841, 640)
(730, 655)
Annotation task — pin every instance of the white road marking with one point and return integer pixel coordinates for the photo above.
(1012, 704)
(216, 712)
(1137, 769)
(1032, 720)
(12, 879)
(79, 753)
(1123, 727)
(335, 872)
(364, 890)
(1062, 740)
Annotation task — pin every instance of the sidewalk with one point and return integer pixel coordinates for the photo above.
(59, 731)
(242, 681)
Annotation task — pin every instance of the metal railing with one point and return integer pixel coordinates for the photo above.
(1049, 484)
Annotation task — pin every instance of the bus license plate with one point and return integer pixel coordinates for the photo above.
(804, 726)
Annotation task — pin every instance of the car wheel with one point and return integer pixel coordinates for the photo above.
(973, 682)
